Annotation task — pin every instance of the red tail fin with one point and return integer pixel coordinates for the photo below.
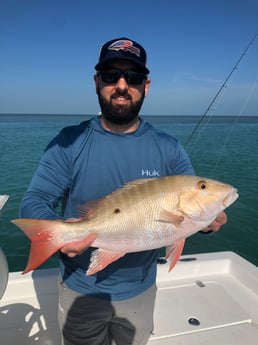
(44, 239)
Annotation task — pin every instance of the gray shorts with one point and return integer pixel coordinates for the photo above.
(89, 320)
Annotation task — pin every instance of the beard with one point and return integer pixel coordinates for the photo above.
(119, 114)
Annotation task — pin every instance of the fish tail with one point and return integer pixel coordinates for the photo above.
(44, 239)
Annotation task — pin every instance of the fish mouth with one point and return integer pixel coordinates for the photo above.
(231, 197)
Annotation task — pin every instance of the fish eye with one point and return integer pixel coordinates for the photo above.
(202, 184)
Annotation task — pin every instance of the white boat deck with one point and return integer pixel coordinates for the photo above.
(206, 299)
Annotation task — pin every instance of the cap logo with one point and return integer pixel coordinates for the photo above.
(125, 45)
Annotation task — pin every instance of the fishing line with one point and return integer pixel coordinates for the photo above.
(204, 124)
(223, 86)
(206, 118)
(251, 92)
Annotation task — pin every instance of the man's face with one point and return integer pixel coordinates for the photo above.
(120, 101)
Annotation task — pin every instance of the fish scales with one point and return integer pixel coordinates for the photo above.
(132, 213)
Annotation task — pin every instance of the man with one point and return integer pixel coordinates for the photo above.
(87, 162)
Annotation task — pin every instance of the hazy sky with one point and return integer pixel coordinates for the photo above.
(48, 50)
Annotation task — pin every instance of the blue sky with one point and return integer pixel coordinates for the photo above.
(49, 49)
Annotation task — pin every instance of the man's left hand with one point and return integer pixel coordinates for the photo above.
(217, 223)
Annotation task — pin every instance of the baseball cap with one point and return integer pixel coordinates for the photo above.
(123, 49)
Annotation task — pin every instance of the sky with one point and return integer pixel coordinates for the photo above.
(48, 50)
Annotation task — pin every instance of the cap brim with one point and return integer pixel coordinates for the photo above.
(102, 64)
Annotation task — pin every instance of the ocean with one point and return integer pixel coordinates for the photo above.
(222, 147)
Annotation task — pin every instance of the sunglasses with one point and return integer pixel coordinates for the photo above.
(111, 76)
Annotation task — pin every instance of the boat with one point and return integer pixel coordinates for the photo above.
(3, 201)
(3, 262)
(209, 298)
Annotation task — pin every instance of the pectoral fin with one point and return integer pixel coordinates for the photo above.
(100, 259)
(169, 217)
(174, 252)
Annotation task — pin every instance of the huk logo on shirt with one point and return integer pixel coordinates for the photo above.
(148, 173)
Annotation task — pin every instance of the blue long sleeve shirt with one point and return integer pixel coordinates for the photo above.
(86, 162)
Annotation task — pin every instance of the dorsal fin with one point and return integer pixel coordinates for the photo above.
(137, 182)
(89, 210)
(86, 211)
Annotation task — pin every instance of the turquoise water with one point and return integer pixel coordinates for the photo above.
(224, 148)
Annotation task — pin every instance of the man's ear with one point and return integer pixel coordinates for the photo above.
(96, 79)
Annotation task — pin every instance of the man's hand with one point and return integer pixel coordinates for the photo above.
(217, 223)
(78, 247)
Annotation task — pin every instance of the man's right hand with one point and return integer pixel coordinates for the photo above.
(77, 247)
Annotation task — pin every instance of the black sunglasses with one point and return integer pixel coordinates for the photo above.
(111, 76)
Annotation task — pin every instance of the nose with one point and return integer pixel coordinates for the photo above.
(121, 84)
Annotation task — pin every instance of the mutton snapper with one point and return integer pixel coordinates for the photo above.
(144, 214)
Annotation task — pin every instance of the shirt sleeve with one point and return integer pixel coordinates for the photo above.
(49, 183)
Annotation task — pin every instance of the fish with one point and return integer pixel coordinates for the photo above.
(143, 214)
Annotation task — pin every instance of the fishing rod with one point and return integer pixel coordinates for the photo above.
(219, 91)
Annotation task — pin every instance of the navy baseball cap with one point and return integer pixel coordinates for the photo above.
(123, 49)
